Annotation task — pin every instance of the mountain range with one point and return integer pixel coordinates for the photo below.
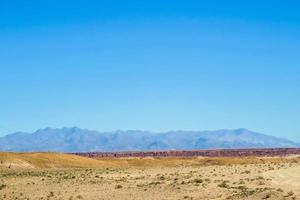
(83, 140)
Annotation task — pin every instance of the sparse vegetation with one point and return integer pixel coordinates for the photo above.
(118, 186)
(2, 186)
(146, 178)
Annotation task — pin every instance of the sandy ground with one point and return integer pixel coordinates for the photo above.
(288, 179)
(187, 179)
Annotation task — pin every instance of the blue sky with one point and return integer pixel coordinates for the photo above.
(150, 65)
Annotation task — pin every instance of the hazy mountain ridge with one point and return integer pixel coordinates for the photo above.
(83, 140)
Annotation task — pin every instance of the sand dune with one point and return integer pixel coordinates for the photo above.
(47, 160)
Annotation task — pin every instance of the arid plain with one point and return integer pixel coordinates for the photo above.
(62, 176)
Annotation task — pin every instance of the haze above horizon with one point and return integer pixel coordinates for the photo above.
(157, 66)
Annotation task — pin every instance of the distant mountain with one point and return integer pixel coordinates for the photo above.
(82, 140)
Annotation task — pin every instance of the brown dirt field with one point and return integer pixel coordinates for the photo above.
(54, 176)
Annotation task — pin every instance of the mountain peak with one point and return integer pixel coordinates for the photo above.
(72, 129)
(47, 129)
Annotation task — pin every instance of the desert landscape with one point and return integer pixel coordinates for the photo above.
(66, 176)
(149, 100)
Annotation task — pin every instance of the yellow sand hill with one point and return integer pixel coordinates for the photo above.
(61, 160)
(47, 160)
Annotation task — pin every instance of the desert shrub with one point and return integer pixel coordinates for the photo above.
(118, 186)
(279, 190)
(2, 186)
(267, 196)
(223, 185)
(290, 193)
(198, 180)
(246, 172)
(241, 187)
(51, 194)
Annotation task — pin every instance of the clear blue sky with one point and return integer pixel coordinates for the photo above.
(151, 65)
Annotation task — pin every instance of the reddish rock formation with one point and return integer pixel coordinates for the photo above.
(194, 153)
